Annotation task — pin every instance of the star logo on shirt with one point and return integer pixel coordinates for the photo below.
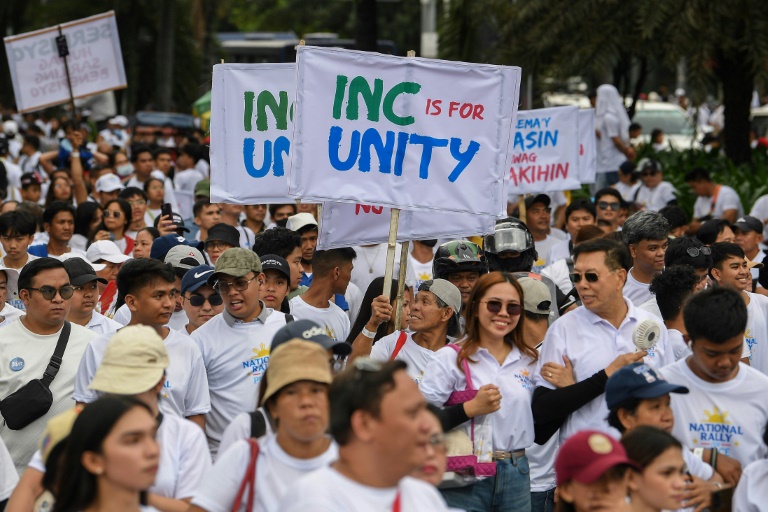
(262, 351)
(716, 416)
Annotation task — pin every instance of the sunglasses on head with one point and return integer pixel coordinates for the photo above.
(591, 277)
(693, 252)
(198, 300)
(605, 205)
(494, 306)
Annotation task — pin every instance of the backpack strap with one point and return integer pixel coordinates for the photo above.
(401, 339)
(258, 424)
(249, 480)
(464, 365)
(289, 318)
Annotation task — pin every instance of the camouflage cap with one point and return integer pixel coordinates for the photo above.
(235, 262)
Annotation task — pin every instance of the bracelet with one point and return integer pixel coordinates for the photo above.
(713, 459)
(368, 334)
(75, 154)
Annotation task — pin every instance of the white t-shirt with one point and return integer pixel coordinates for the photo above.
(730, 416)
(327, 490)
(542, 250)
(512, 425)
(371, 262)
(656, 198)
(416, 357)
(101, 324)
(177, 322)
(187, 179)
(727, 199)
(627, 191)
(185, 392)
(650, 306)
(636, 291)
(678, 345)
(609, 158)
(751, 494)
(559, 273)
(235, 355)
(559, 251)
(9, 313)
(239, 428)
(566, 336)
(422, 271)
(333, 319)
(24, 356)
(8, 475)
(276, 473)
(354, 298)
(760, 211)
(184, 458)
(756, 334)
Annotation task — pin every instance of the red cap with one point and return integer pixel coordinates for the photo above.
(587, 455)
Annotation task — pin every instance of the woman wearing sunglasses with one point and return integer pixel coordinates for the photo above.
(116, 219)
(500, 366)
(201, 301)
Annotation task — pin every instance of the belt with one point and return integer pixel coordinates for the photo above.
(507, 455)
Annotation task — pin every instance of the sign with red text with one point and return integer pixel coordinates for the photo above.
(251, 130)
(402, 132)
(348, 224)
(95, 62)
(587, 146)
(545, 151)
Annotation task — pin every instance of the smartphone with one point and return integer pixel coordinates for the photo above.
(722, 500)
(166, 210)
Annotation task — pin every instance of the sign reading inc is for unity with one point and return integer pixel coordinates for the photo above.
(402, 132)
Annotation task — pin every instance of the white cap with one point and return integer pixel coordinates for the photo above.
(10, 127)
(119, 120)
(300, 220)
(157, 173)
(106, 250)
(109, 183)
(12, 284)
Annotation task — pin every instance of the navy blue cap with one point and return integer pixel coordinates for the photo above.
(309, 331)
(637, 380)
(195, 278)
(165, 243)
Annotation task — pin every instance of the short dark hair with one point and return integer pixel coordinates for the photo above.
(274, 207)
(645, 225)
(616, 254)
(279, 241)
(354, 390)
(676, 216)
(129, 192)
(17, 223)
(161, 151)
(630, 405)
(32, 140)
(635, 126)
(717, 314)
(711, 229)
(723, 251)
(672, 287)
(140, 273)
(55, 208)
(677, 253)
(697, 174)
(34, 267)
(580, 204)
(199, 205)
(323, 262)
(608, 192)
(192, 150)
(137, 150)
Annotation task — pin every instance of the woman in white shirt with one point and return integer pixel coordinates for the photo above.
(500, 364)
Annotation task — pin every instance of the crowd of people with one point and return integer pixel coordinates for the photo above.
(159, 351)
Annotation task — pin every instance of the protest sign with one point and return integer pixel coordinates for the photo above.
(251, 129)
(95, 62)
(348, 224)
(545, 151)
(407, 133)
(587, 146)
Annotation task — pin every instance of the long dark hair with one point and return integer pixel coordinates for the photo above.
(76, 488)
(127, 214)
(644, 444)
(83, 217)
(375, 289)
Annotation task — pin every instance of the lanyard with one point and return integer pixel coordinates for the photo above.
(396, 504)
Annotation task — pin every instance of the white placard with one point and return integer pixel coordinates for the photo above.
(545, 151)
(95, 62)
(403, 132)
(347, 224)
(587, 146)
(251, 130)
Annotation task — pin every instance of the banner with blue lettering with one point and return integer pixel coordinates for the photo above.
(545, 151)
(251, 130)
(348, 224)
(402, 132)
(587, 146)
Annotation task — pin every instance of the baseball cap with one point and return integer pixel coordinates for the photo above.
(236, 262)
(165, 243)
(444, 290)
(637, 380)
(29, 178)
(10, 128)
(177, 220)
(184, 257)
(627, 167)
(12, 280)
(109, 183)
(309, 331)
(538, 198)
(224, 233)
(195, 278)
(134, 362)
(587, 455)
(57, 429)
(748, 223)
(106, 250)
(753, 264)
(296, 360)
(300, 220)
(537, 297)
(203, 188)
(81, 272)
(275, 262)
(119, 121)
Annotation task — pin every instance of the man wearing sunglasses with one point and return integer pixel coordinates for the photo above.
(655, 193)
(647, 237)
(608, 202)
(28, 344)
(201, 301)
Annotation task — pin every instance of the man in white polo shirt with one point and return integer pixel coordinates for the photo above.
(598, 339)
(646, 235)
(235, 344)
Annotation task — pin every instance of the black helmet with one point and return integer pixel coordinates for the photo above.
(512, 236)
(458, 256)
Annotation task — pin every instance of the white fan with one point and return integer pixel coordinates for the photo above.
(646, 335)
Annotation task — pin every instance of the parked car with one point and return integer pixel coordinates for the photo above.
(679, 130)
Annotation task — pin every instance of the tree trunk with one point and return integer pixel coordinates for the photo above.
(166, 37)
(738, 81)
(366, 33)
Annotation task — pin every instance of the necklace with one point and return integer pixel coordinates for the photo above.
(367, 261)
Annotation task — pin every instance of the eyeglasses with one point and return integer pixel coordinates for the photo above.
(591, 277)
(649, 172)
(213, 299)
(537, 211)
(494, 306)
(115, 214)
(239, 284)
(49, 292)
(137, 202)
(437, 440)
(605, 205)
(693, 252)
(216, 244)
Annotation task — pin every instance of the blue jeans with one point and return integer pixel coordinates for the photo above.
(543, 501)
(508, 491)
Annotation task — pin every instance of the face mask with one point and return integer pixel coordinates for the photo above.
(124, 170)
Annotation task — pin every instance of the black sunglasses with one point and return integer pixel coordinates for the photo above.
(494, 306)
(591, 277)
(198, 300)
(49, 292)
(605, 205)
(695, 251)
